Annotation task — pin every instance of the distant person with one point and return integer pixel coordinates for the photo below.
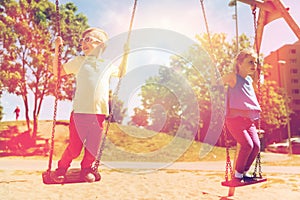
(17, 112)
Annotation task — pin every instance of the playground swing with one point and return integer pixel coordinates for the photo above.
(73, 175)
(257, 174)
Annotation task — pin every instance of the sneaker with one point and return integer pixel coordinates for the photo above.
(247, 178)
(59, 175)
(90, 175)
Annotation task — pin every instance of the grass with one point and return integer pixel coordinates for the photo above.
(130, 143)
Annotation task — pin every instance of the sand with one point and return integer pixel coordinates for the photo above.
(21, 179)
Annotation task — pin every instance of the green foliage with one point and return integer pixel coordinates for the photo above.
(140, 117)
(161, 104)
(274, 103)
(27, 30)
(170, 100)
(117, 106)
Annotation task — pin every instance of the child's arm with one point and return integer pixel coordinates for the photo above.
(258, 79)
(123, 65)
(229, 79)
(58, 43)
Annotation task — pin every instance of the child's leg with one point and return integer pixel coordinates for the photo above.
(256, 146)
(93, 140)
(74, 147)
(238, 128)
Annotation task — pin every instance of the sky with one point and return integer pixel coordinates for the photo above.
(182, 16)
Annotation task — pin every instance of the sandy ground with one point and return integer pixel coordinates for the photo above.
(21, 179)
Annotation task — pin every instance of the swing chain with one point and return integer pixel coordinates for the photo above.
(255, 29)
(228, 167)
(258, 164)
(258, 158)
(100, 151)
(57, 18)
(57, 88)
(207, 29)
(228, 160)
(131, 22)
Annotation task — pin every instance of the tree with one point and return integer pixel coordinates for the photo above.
(170, 99)
(199, 71)
(117, 106)
(161, 103)
(27, 29)
(194, 69)
(274, 101)
(140, 117)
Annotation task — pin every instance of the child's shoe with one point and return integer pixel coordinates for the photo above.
(247, 178)
(89, 175)
(59, 175)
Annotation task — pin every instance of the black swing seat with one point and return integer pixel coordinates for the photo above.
(72, 176)
(234, 183)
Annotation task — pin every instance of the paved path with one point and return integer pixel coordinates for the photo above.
(41, 165)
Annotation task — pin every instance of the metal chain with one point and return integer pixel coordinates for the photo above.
(57, 18)
(207, 31)
(228, 167)
(100, 151)
(258, 158)
(228, 160)
(131, 22)
(57, 88)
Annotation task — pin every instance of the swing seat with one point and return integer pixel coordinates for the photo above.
(72, 176)
(234, 183)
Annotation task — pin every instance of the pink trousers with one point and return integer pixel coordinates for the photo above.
(84, 129)
(244, 132)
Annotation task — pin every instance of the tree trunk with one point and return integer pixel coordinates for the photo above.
(24, 90)
(25, 100)
(38, 100)
(35, 127)
(35, 115)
